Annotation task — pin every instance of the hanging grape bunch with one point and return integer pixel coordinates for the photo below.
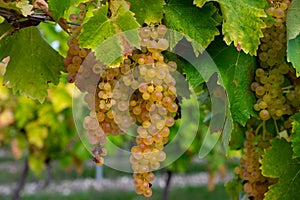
(276, 98)
(138, 91)
(254, 183)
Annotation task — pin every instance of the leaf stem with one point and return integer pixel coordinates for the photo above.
(7, 33)
(264, 129)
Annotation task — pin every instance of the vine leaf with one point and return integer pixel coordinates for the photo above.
(36, 133)
(147, 11)
(25, 111)
(96, 29)
(33, 63)
(242, 22)
(292, 20)
(99, 28)
(199, 29)
(293, 34)
(278, 163)
(236, 73)
(22, 6)
(111, 45)
(58, 8)
(233, 188)
(295, 138)
(61, 97)
(36, 163)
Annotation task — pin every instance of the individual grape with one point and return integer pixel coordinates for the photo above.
(263, 56)
(259, 72)
(154, 35)
(283, 68)
(264, 114)
(279, 13)
(256, 107)
(82, 6)
(262, 105)
(161, 30)
(145, 32)
(254, 85)
(260, 90)
(162, 44)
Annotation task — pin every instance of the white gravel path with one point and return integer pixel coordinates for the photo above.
(122, 183)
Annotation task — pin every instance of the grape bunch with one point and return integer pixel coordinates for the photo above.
(153, 105)
(140, 91)
(254, 183)
(276, 87)
(75, 55)
(275, 97)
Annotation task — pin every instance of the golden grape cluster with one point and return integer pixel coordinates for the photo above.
(255, 184)
(153, 105)
(275, 97)
(139, 91)
(276, 88)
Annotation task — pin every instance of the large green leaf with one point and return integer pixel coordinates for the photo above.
(278, 163)
(293, 52)
(96, 29)
(111, 45)
(236, 69)
(58, 8)
(147, 11)
(293, 31)
(99, 27)
(242, 22)
(292, 20)
(197, 24)
(33, 63)
(295, 138)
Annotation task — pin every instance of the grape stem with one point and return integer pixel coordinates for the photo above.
(288, 87)
(258, 128)
(276, 126)
(9, 31)
(264, 129)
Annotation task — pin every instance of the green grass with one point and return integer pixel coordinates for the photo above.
(193, 193)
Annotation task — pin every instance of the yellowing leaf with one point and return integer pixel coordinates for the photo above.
(99, 27)
(33, 63)
(36, 134)
(121, 24)
(36, 164)
(23, 7)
